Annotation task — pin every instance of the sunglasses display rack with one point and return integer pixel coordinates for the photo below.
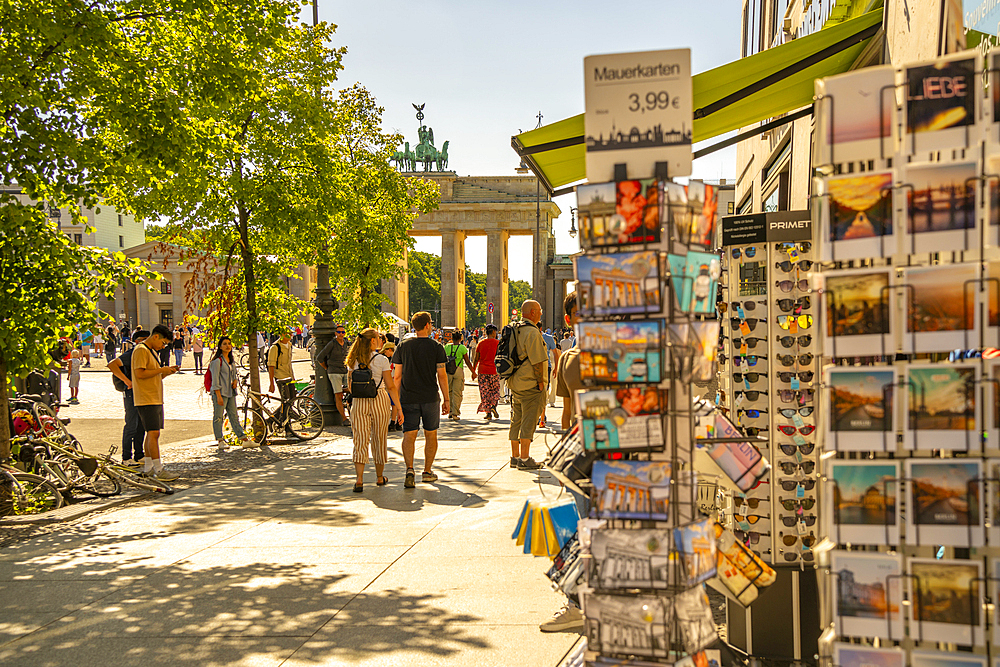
(648, 329)
(907, 217)
(768, 379)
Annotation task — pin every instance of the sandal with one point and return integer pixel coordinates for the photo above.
(383, 482)
(358, 488)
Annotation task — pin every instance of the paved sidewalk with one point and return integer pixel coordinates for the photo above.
(285, 565)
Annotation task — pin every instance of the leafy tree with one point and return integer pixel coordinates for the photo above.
(424, 272)
(48, 287)
(518, 292)
(476, 314)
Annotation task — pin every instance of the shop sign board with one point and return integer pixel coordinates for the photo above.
(638, 114)
(777, 227)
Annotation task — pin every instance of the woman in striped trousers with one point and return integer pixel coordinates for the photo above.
(370, 417)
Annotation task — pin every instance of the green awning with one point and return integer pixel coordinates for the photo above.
(726, 98)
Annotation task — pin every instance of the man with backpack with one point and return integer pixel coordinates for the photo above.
(279, 368)
(458, 360)
(523, 359)
(132, 434)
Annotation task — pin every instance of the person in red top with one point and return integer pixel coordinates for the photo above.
(484, 362)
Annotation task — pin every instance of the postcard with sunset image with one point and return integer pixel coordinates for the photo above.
(863, 501)
(940, 102)
(942, 312)
(946, 607)
(858, 305)
(855, 110)
(858, 212)
(945, 502)
(941, 406)
(862, 415)
(940, 207)
(867, 595)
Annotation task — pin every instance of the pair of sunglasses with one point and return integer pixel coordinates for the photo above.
(749, 377)
(790, 484)
(750, 341)
(803, 321)
(749, 518)
(791, 359)
(788, 429)
(753, 537)
(790, 412)
(789, 539)
(752, 503)
(808, 520)
(752, 322)
(801, 341)
(796, 396)
(788, 285)
(803, 376)
(787, 305)
(735, 305)
(789, 449)
(753, 431)
(791, 504)
(751, 395)
(749, 252)
(805, 246)
(752, 414)
(750, 360)
(788, 467)
(806, 556)
(787, 266)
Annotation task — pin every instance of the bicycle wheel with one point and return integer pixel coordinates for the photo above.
(31, 495)
(254, 426)
(305, 417)
(308, 391)
(49, 423)
(135, 479)
(244, 361)
(100, 484)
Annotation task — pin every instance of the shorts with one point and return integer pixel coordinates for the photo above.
(151, 417)
(74, 380)
(428, 413)
(338, 381)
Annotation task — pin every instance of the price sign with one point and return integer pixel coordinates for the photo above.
(638, 113)
(490, 308)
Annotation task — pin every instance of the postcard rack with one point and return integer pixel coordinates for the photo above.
(907, 228)
(647, 330)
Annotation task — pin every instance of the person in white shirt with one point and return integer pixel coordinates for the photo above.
(370, 417)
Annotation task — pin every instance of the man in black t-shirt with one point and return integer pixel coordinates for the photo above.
(418, 372)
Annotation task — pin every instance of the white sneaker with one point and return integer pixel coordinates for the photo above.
(222, 447)
(567, 618)
(163, 475)
(247, 443)
(129, 462)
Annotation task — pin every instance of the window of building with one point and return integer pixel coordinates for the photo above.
(120, 221)
(746, 206)
(746, 36)
(167, 317)
(165, 287)
(121, 241)
(78, 239)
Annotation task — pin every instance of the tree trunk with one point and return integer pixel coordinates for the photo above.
(4, 411)
(250, 280)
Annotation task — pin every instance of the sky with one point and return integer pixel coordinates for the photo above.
(485, 69)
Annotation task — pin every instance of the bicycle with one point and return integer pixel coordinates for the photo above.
(244, 361)
(22, 493)
(301, 417)
(66, 467)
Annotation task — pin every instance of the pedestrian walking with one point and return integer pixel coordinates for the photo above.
(527, 386)
(457, 352)
(111, 344)
(279, 370)
(567, 377)
(484, 364)
(178, 347)
(147, 385)
(164, 352)
(132, 433)
(333, 358)
(222, 371)
(99, 342)
(86, 338)
(375, 405)
(198, 352)
(387, 351)
(76, 360)
(419, 372)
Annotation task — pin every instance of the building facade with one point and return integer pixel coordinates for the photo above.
(107, 227)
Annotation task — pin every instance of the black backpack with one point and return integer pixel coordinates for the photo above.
(363, 383)
(508, 360)
(451, 365)
(126, 359)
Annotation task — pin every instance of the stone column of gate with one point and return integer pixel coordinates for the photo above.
(453, 279)
(497, 286)
(177, 292)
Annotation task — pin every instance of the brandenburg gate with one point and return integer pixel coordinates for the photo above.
(496, 207)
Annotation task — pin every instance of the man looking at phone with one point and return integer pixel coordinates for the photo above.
(147, 389)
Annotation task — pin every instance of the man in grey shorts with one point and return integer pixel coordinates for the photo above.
(332, 358)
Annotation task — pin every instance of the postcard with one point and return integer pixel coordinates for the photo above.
(693, 615)
(946, 603)
(696, 544)
(858, 655)
(991, 277)
(945, 502)
(619, 214)
(993, 508)
(704, 201)
(867, 593)
(940, 103)
(694, 278)
(857, 111)
(622, 419)
(628, 625)
(631, 489)
(678, 213)
(940, 207)
(859, 303)
(857, 216)
(619, 283)
(995, 592)
(742, 462)
(615, 352)
(941, 407)
(863, 501)
(942, 659)
(862, 414)
(705, 348)
(942, 312)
